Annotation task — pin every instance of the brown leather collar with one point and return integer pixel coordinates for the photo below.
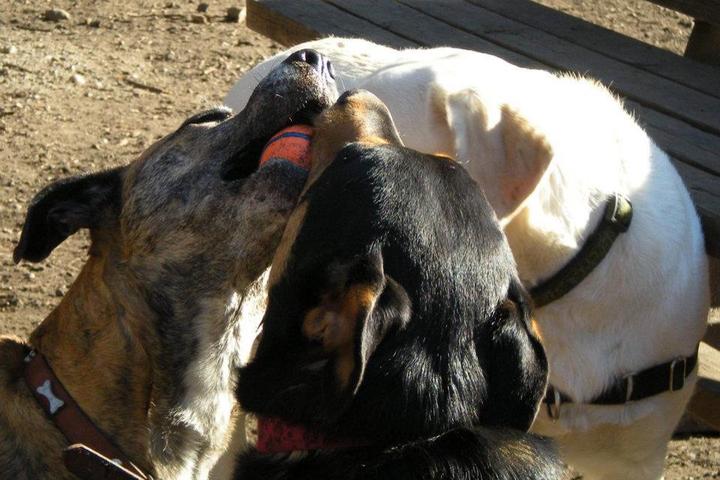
(91, 455)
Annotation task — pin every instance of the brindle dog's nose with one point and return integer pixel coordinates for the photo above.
(315, 59)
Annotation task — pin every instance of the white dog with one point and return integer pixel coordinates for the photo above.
(549, 151)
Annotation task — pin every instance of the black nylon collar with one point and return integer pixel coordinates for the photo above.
(666, 377)
(616, 220)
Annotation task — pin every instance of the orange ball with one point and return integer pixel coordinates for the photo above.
(291, 144)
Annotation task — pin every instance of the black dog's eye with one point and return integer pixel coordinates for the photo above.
(244, 162)
(216, 114)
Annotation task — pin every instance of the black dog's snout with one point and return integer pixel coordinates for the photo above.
(314, 59)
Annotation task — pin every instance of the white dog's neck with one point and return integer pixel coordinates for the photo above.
(553, 225)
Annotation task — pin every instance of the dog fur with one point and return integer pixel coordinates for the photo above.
(147, 338)
(393, 319)
(547, 150)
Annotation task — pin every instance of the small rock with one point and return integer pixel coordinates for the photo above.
(93, 23)
(78, 79)
(203, 7)
(29, 276)
(56, 15)
(59, 292)
(235, 15)
(9, 49)
(198, 19)
(9, 300)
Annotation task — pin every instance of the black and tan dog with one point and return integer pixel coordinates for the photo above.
(397, 342)
(146, 339)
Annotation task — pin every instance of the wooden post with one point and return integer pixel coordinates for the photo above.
(704, 43)
(714, 266)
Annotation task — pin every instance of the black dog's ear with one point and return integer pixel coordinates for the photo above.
(359, 306)
(64, 207)
(517, 365)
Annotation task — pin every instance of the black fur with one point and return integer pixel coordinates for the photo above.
(459, 454)
(64, 207)
(446, 347)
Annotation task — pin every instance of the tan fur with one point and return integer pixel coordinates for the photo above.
(334, 323)
(99, 363)
(349, 122)
(97, 359)
(283, 252)
(528, 151)
(535, 327)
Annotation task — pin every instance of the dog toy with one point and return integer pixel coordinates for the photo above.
(291, 144)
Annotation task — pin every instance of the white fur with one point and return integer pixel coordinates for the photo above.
(210, 383)
(645, 304)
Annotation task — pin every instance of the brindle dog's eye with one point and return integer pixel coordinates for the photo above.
(216, 114)
(243, 163)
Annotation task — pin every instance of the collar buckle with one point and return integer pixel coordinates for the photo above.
(618, 213)
(629, 386)
(554, 407)
(677, 377)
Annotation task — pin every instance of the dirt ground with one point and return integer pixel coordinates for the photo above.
(92, 91)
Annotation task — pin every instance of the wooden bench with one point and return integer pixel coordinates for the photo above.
(704, 42)
(676, 99)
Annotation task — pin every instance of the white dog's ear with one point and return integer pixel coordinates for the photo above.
(502, 151)
(527, 157)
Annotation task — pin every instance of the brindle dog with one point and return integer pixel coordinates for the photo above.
(146, 340)
(397, 330)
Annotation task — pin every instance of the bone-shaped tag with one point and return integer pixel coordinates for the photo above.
(46, 391)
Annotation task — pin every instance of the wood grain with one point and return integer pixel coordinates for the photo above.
(705, 78)
(295, 22)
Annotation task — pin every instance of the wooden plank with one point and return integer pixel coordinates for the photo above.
(705, 78)
(705, 403)
(299, 21)
(714, 299)
(680, 140)
(692, 106)
(708, 10)
(704, 43)
(705, 192)
(411, 24)
(712, 336)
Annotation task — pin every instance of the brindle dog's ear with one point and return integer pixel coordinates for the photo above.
(64, 207)
(517, 365)
(359, 306)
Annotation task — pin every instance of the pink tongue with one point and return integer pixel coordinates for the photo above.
(277, 436)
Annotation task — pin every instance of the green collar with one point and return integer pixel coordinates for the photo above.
(616, 220)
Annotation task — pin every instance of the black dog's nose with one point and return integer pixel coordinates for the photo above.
(315, 59)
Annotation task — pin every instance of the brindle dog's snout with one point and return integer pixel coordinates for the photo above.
(316, 60)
